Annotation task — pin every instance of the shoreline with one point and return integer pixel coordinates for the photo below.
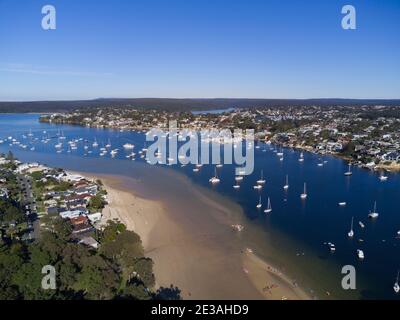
(393, 167)
(204, 258)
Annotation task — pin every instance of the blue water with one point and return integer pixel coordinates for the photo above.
(215, 111)
(301, 225)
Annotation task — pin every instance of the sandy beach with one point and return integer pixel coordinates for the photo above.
(193, 244)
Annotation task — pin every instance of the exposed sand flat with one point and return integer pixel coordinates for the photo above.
(191, 241)
(272, 283)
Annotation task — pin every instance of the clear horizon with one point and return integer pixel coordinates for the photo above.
(197, 50)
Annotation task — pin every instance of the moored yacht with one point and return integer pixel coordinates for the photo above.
(304, 194)
(269, 207)
(348, 172)
(286, 186)
(351, 232)
(128, 146)
(332, 247)
(259, 204)
(261, 180)
(382, 177)
(215, 179)
(374, 214)
(257, 187)
(396, 286)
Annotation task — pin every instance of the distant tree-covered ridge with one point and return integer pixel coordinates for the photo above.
(180, 104)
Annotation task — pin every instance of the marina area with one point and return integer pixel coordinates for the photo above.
(307, 215)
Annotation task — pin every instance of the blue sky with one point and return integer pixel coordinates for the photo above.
(199, 49)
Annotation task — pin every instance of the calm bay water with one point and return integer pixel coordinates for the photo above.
(295, 229)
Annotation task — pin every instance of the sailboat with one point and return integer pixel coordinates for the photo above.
(286, 186)
(259, 204)
(382, 177)
(95, 144)
(261, 180)
(304, 194)
(360, 254)
(396, 286)
(280, 153)
(269, 208)
(128, 146)
(373, 214)
(108, 145)
(215, 179)
(236, 186)
(351, 232)
(348, 172)
(301, 159)
(58, 145)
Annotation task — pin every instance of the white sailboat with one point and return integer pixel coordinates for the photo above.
(396, 286)
(58, 145)
(382, 177)
(128, 146)
(258, 206)
(360, 254)
(215, 179)
(236, 186)
(95, 144)
(261, 180)
(362, 226)
(257, 187)
(373, 214)
(304, 194)
(269, 208)
(348, 172)
(301, 159)
(108, 145)
(286, 186)
(351, 232)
